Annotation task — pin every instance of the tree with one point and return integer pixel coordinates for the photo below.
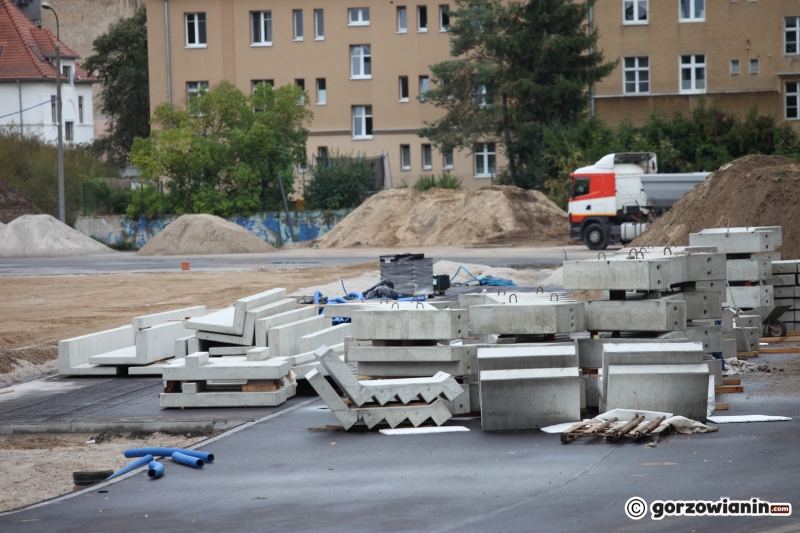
(223, 154)
(518, 69)
(339, 181)
(120, 62)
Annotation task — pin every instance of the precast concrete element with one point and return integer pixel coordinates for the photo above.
(195, 394)
(526, 318)
(461, 405)
(749, 321)
(417, 324)
(590, 351)
(699, 304)
(752, 269)
(195, 345)
(751, 297)
(152, 344)
(684, 267)
(177, 315)
(747, 339)
(591, 390)
(641, 315)
(227, 368)
(709, 336)
(785, 267)
(727, 320)
(729, 347)
(372, 416)
(347, 310)
(219, 351)
(531, 398)
(366, 352)
(651, 249)
(631, 274)
(678, 389)
(74, 354)
(739, 240)
(446, 305)
(325, 337)
(783, 280)
(246, 338)
(182, 346)
(464, 367)
(280, 319)
(714, 369)
(231, 321)
(384, 391)
(717, 285)
(516, 356)
(258, 354)
(284, 340)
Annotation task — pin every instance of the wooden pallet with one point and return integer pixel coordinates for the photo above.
(779, 350)
(773, 339)
(744, 356)
(613, 430)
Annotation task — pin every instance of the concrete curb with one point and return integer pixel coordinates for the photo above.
(99, 426)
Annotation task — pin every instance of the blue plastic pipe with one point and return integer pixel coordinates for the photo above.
(167, 452)
(187, 460)
(134, 465)
(155, 470)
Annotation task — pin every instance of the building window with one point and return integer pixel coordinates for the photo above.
(637, 75)
(256, 83)
(322, 152)
(754, 66)
(424, 86)
(360, 62)
(792, 100)
(53, 109)
(362, 122)
(405, 157)
(479, 96)
(427, 159)
(66, 74)
(322, 92)
(792, 35)
(195, 89)
(693, 10)
(403, 82)
(196, 30)
(80, 109)
(402, 19)
(447, 162)
(69, 131)
(444, 17)
(300, 82)
(635, 12)
(297, 19)
(261, 28)
(693, 73)
(358, 16)
(734, 66)
(422, 19)
(485, 160)
(319, 25)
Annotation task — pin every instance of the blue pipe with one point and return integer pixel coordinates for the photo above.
(187, 460)
(133, 466)
(155, 470)
(167, 452)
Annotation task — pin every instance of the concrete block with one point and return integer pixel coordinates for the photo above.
(511, 356)
(715, 369)
(194, 345)
(747, 339)
(280, 319)
(182, 346)
(463, 367)
(590, 351)
(717, 285)
(224, 399)
(529, 399)
(284, 340)
(727, 320)
(681, 389)
(729, 348)
(709, 336)
(349, 309)
(220, 351)
(545, 318)
(88, 369)
(123, 356)
(398, 324)
(177, 315)
(239, 368)
(642, 315)
(632, 274)
(461, 405)
(258, 354)
(690, 267)
(409, 354)
(749, 269)
(785, 267)
(783, 280)
(77, 351)
(749, 321)
(158, 342)
(325, 337)
(231, 321)
(737, 240)
(785, 301)
(592, 387)
(246, 338)
(783, 292)
(699, 304)
(749, 297)
(195, 360)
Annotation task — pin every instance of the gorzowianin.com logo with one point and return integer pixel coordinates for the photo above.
(636, 508)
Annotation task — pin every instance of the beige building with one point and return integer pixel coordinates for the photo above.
(737, 52)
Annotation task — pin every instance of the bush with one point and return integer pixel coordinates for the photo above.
(339, 181)
(100, 199)
(147, 202)
(445, 181)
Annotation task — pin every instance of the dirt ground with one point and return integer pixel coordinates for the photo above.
(34, 468)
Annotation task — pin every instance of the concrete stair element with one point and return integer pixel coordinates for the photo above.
(231, 321)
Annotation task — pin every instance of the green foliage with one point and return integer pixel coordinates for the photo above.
(101, 199)
(30, 165)
(120, 62)
(518, 68)
(445, 181)
(339, 181)
(425, 182)
(121, 246)
(146, 202)
(224, 153)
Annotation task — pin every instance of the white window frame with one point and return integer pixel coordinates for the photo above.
(692, 66)
(359, 19)
(427, 157)
(196, 36)
(424, 86)
(264, 28)
(69, 130)
(444, 11)
(80, 109)
(757, 63)
(362, 114)
(319, 25)
(791, 29)
(635, 6)
(193, 88)
(420, 29)
(322, 94)
(400, 89)
(479, 96)
(297, 25)
(692, 6)
(447, 160)
(738, 65)
(361, 55)
(793, 94)
(405, 157)
(485, 154)
(637, 70)
(402, 20)
(53, 112)
(301, 82)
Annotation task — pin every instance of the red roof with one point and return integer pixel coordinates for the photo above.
(26, 49)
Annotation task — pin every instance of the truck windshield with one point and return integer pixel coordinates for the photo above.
(580, 187)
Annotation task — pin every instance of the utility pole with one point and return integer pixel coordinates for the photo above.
(61, 203)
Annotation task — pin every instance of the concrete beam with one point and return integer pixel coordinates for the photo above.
(786, 267)
(77, 350)
(225, 369)
(632, 274)
(284, 340)
(590, 351)
(210, 399)
(511, 356)
(231, 321)
(738, 240)
(751, 297)
(464, 367)
(418, 324)
(409, 354)
(709, 336)
(348, 310)
(546, 318)
(325, 337)
(642, 315)
(280, 319)
(749, 269)
(699, 304)
(148, 321)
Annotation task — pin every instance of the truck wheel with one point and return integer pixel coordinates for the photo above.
(595, 237)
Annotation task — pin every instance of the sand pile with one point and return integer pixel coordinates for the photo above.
(204, 235)
(14, 204)
(45, 236)
(446, 217)
(755, 190)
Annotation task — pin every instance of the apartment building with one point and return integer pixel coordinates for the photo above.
(363, 66)
(736, 52)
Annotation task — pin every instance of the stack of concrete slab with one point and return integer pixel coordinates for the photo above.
(392, 401)
(134, 349)
(785, 281)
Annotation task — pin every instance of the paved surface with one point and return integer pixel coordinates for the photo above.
(127, 262)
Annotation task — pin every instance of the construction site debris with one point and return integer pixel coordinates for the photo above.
(496, 215)
(204, 235)
(14, 204)
(45, 236)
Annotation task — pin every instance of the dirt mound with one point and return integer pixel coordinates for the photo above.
(756, 190)
(14, 204)
(204, 235)
(446, 217)
(45, 236)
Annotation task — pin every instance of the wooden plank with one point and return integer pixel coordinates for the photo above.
(779, 350)
(744, 356)
(728, 389)
(793, 334)
(721, 406)
(731, 381)
(773, 339)
(259, 388)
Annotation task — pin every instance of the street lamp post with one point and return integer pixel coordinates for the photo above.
(61, 202)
